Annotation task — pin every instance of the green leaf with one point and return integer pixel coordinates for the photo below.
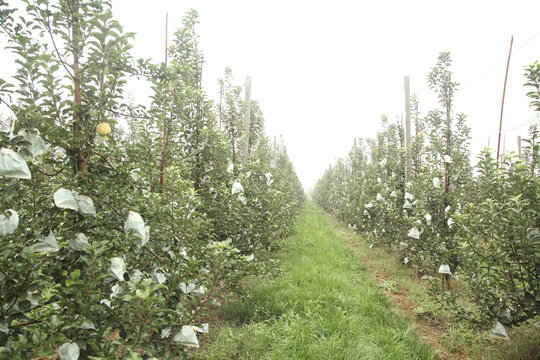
(75, 275)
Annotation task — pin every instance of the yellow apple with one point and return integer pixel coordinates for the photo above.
(103, 129)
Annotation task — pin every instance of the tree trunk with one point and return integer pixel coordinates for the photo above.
(80, 156)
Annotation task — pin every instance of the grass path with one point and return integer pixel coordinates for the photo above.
(325, 305)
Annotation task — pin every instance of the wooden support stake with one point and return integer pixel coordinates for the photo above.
(274, 154)
(247, 120)
(502, 103)
(407, 128)
(220, 101)
(445, 282)
(233, 139)
(164, 148)
(519, 145)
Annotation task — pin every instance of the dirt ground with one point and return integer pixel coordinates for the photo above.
(431, 329)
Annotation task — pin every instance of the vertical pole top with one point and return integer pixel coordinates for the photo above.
(166, 36)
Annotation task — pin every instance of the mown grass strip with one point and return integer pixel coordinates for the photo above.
(324, 306)
(448, 337)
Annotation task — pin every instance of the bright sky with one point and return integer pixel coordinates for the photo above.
(325, 71)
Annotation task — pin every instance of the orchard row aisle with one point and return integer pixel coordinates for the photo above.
(324, 305)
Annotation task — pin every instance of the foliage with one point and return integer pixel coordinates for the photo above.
(482, 226)
(532, 73)
(499, 237)
(114, 255)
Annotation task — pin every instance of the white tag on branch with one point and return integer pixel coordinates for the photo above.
(165, 332)
(64, 199)
(69, 351)
(450, 222)
(409, 196)
(445, 269)
(366, 212)
(437, 182)
(88, 325)
(203, 329)
(118, 268)
(414, 233)
(187, 337)
(159, 278)
(85, 205)
(187, 288)
(135, 225)
(230, 168)
(393, 194)
(269, 178)
(237, 188)
(250, 257)
(136, 275)
(407, 205)
(79, 243)
(37, 145)
(428, 219)
(13, 165)
(379, 197)
(45, 244)
(447, 159)
(200, 291)
(144, 241)
(135, 174)
(379, 180)
(242, 198)
(115, 290)
(383, 162)
(9, 221)
(499, 331)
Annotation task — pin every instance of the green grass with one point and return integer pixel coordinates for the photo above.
(456, 339)
(324, 306)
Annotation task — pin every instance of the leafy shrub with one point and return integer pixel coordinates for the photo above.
(483, 227)
(117, 246)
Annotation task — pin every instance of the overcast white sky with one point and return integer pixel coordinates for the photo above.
(325, 71)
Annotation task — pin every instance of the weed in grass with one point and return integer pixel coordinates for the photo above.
(426, 311)
(388, 285)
